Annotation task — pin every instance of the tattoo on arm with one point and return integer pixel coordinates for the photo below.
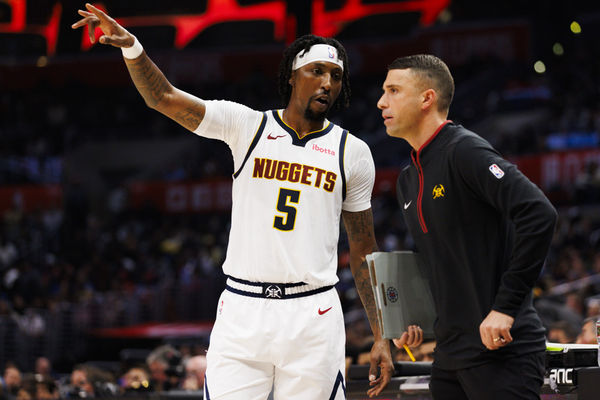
(189, 118)
(159, 94)
(362, 280)
(359, 225)
(362, 241)
(148, 79)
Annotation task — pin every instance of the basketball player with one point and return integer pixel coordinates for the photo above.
(279, 322)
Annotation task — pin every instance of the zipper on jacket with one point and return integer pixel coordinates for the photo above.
(420, 195)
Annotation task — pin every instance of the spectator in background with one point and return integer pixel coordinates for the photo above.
(136, 380)
(81, 382)
(574, 301)
(588, 331)
(11, 380)
(195, 368)
(46, 388)
(26, 392)
(90, 381)
(36, 386)
(552, 310)
(561, 332)
(166, 369)
(592, 307)
(43, 367)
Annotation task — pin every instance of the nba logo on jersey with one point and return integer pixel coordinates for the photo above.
(498, 173)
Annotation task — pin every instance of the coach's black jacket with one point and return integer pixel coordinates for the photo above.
(483, 231)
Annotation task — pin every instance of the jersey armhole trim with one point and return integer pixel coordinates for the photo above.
(253, 144)
(341, 153)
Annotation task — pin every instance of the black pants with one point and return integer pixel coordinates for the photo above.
(516, 378)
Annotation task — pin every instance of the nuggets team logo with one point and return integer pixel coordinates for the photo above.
(438, 191)
(392, 294)
(273, 292)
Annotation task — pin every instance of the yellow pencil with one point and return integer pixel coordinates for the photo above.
(410, 354)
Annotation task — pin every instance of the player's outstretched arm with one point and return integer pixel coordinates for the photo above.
(361, 238)
(157, 91)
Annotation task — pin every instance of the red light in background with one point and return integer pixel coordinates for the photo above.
(50, 31)
(187, 27)
(86, 43)
(330, 23)
(18, 23)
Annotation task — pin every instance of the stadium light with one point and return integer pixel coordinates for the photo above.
(539, 67)
(558, 49)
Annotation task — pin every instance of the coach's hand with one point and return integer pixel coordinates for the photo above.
(114, 34)
(381, 359)
(495, 330)
(413, 337)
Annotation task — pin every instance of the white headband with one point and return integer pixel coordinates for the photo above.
(318, 52)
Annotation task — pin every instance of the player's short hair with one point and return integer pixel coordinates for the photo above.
(305, 43)
(435, 73)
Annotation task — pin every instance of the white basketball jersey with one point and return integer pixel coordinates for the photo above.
(288, 193)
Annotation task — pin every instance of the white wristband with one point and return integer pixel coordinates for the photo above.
(133, 51)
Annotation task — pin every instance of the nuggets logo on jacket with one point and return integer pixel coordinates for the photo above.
(438, 191)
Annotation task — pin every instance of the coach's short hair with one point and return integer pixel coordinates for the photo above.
(435, 73)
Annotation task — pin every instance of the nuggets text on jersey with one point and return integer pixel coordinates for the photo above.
(294, 172)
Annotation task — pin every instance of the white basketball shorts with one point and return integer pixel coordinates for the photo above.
(295, 346)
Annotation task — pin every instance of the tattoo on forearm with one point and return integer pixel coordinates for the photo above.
(190, 118)
(148, 79)
(362, 280)
(359, 225)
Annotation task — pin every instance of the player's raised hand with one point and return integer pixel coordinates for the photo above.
(114, 34)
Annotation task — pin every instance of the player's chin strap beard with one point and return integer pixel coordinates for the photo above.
(313, 116)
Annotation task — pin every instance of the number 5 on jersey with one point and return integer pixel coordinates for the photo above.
(286, 222)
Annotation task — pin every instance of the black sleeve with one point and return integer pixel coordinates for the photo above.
(499, 183)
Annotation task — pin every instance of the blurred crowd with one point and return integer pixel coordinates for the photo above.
(164, 369)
